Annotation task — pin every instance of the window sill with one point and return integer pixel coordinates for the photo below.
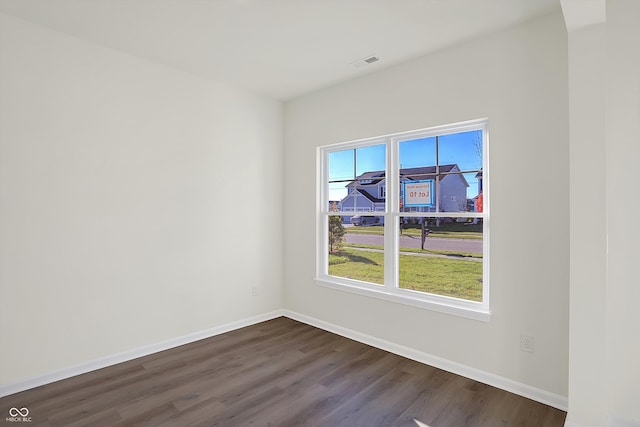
(453, 306)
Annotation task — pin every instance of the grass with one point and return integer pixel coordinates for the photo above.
(454, 230)
(358, 265)
(453, 278)
(461, 254)
(449, 277)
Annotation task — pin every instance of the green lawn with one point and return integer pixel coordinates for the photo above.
(453, 230)
(359, 265)
(449, 277)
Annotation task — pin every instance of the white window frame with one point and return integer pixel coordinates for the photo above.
(390, 291)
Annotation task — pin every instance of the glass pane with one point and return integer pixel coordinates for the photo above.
(337, 192)
(357, 179)
(418, 153)
(356, 247)
(462, 149)
(458, 191)
(442, 256)
(371, 159)
(341, 165)
(418, 184)
(474, 179)
(432, 173)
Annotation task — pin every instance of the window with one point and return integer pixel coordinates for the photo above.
(424, 237)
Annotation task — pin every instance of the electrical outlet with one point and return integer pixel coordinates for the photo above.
(526, 343)
(255, 291)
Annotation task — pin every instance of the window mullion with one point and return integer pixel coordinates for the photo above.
(391, 226)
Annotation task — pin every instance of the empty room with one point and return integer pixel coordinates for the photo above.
(319, 213)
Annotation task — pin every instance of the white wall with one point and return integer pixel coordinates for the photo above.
(129, 202)
(518, 79)
(587, 53)
(623, 206)
(604, 377)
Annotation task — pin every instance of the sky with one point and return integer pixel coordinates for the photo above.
(459, 148)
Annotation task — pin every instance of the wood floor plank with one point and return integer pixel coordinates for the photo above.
(106, 418)
(276, 373)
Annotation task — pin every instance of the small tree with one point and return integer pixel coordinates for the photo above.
(477, 146)
(336, 233)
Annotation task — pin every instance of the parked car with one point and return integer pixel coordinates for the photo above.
(366, 220)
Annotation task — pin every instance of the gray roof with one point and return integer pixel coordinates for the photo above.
(369, 196)
(426, 172)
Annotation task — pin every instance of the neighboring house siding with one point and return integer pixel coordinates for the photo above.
(380, 184)
(362, 204)
(453, 194)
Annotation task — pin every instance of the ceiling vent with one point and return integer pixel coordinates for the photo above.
(365, 61)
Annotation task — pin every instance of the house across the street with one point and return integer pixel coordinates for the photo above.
(367, 193)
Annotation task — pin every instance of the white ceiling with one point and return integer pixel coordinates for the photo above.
(280, 48)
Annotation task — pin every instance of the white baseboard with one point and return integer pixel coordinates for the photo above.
(530, 392)
(103, 362)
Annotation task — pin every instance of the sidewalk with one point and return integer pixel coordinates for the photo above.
(418, 254)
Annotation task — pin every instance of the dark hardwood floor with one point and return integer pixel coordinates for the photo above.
(276, 373)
